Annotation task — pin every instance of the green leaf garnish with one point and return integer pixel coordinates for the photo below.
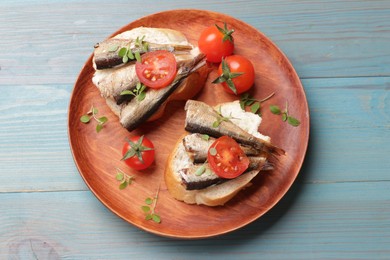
(150, 207)
(119, 176)
(137, 56)
(123, 185)
(293, 121)
(122, 52)
(124, 179)
(85, 119)
(200, 170)
(285, 115)
(130, 55)
(91, 114)
(145, 209)
(220, 119)
(148, 201)
(139, 91)
(275, 109)
(255, 105)
(205, 137)
(156, 218)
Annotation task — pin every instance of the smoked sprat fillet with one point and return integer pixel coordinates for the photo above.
(112, 76)
(188, 175)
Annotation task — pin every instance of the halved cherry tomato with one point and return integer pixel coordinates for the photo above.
(226, 158)
(216, 43)
(138, 152)
(157, 69)
(236, 64)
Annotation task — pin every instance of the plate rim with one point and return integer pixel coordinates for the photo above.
(234, 228)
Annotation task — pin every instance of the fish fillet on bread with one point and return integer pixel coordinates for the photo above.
(189, 153)
(112, 76)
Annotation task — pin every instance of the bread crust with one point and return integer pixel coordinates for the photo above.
(215, 195)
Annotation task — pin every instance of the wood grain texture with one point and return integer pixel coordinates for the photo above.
(338, 207)
(311, 222)
(321, 38)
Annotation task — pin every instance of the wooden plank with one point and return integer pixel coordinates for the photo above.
(342, 220)
(322, 38)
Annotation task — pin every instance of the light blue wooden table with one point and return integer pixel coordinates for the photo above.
(339, 207)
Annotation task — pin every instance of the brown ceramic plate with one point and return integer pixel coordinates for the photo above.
(97, 155)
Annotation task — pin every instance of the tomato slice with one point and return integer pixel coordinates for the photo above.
(226, 158)
(157, 69)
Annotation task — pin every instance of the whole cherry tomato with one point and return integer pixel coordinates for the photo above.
(216, 43)
(237, 74)
(138, 152)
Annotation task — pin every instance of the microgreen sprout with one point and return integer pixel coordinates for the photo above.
(285, 115)
(138, 91)
(255, 105)
(124, 179)
(92, 114)
(220, 119)
(149, 208)
(129, 54)
(205, 137)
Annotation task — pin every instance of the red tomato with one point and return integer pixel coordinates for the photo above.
(212, 43)
(226, 158)
(238, 64)
(157, 69)
(138, 152)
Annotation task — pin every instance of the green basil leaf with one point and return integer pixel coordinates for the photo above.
(148, 201)
(200, 170)
(141, 96)
(103, 120)
(127, 92)
(255, 107)
(119, 176)
(123, 185)
(138, 56)
(293, 121)
(275, 110)
(145, 209)
(156, 218)
(85, 119)
(99, 128)
(122, 52)
(130, 55)
(284, 117)
(205, 137)
(125, 59)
